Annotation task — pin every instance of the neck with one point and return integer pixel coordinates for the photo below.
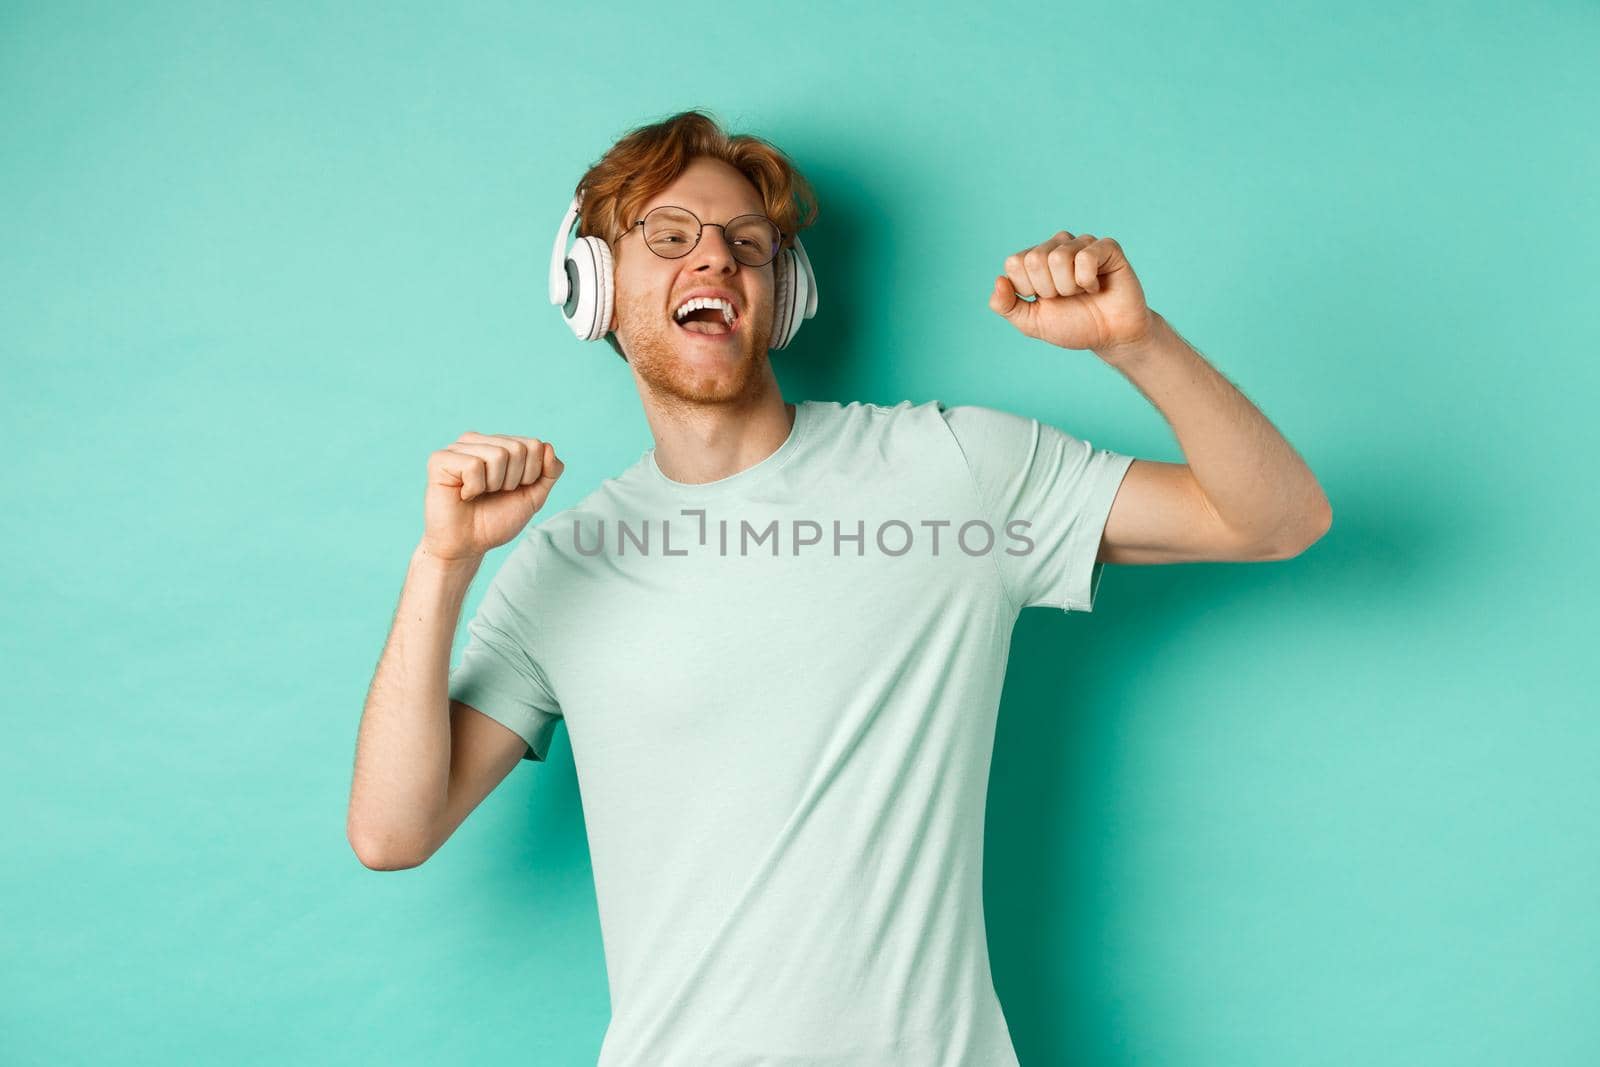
(697, 443)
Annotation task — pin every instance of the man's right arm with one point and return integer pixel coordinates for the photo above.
(423, 761)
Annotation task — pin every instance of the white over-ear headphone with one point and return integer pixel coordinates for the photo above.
(583, 284)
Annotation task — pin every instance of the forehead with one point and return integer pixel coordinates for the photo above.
(710, 188)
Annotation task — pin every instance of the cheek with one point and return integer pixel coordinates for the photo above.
(635, 301)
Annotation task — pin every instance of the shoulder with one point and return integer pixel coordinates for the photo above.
(929, 423)
(862, 416)
(981, 420)
(840, 432)
(932, 414)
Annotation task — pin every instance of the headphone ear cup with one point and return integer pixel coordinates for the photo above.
(605, 287)
(783, 302)
(802, 288)
(589, 277)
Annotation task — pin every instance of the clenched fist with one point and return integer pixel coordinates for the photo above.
(1085, 293)
(482, 490)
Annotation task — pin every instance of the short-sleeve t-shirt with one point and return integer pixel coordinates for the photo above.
(780, 690)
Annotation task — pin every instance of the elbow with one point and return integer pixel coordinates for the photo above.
(380, 861)
(383, 852)
(1308, 534)
(375, 858)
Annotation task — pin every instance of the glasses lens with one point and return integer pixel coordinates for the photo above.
(671, 233)
(754, 239)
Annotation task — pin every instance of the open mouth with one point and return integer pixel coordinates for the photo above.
(708, 322)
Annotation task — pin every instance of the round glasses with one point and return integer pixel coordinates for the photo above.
(673, 232)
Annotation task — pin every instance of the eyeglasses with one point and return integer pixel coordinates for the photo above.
(673, 232)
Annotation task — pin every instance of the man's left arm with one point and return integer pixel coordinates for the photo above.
(1244, 493)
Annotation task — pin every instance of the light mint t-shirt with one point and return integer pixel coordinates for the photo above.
(780, 690)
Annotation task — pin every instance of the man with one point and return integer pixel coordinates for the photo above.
(778, 639)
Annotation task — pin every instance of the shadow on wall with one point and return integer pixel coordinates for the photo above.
(824, 352)
(1062, 833)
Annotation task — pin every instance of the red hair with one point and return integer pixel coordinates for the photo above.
(647, 159)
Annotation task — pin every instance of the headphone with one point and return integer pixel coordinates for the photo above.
(583, 284)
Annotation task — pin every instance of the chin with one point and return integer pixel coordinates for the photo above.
(692, 378)
(700, 372)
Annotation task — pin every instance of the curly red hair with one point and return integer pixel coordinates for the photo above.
(649, 158)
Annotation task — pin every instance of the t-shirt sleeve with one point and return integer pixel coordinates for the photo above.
(1047, 495)
(499, 673)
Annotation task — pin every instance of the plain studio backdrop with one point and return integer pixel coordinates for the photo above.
(256, 264)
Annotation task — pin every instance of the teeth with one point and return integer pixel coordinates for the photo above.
(706, 302)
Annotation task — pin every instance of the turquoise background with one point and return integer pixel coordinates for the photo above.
(257, 263)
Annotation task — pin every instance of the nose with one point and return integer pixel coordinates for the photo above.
(713, 251)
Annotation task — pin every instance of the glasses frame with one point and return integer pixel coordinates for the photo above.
(701, 229)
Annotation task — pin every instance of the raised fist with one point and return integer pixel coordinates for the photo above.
(482, 490)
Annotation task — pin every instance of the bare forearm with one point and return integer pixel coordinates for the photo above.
(1252, 476)
(402, 768)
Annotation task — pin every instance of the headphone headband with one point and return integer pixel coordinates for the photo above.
(558, 276)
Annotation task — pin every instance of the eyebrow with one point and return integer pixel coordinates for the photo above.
(646, 209)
